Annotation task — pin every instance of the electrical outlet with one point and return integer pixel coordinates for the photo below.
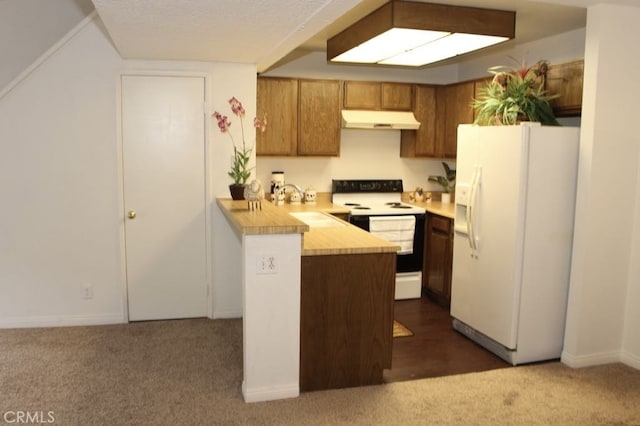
(267, 264)
(87, 291)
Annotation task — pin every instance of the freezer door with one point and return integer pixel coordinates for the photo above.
(488, 242)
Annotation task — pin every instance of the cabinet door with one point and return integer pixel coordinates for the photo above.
(362, 95)
(456, 104)
(479, 87)
(373, 95)
(278, 99)
(445, 96)
(438, 259)
(396, 96)
(421, 142)
(566, 80)
(319, 117)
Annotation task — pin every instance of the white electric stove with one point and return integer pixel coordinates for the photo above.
(380, 199)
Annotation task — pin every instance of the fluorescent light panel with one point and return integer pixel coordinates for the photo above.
(443, 48)
(386, 45)
(410, 33)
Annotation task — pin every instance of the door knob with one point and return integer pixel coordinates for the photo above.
(131, 214)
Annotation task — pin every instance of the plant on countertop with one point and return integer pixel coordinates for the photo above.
(515, 94)
(240, 170)
(447, 181)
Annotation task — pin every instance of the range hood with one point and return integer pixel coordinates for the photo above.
(363, 119)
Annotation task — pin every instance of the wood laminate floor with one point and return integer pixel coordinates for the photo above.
(435, 349)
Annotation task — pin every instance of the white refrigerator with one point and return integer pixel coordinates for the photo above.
(513, 233)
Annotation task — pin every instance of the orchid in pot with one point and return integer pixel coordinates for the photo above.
(240, 170)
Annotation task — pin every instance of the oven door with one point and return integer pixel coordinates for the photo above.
(406, 262)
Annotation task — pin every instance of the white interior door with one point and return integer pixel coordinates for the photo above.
(163, 137)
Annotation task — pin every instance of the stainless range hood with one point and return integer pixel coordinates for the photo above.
(363, 119)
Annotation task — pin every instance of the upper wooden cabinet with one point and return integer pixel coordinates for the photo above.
(439, 109)
(303, 117)
(566, 80)
(319, 117)
(478, 89)
(278, 99)
(453, 108)
(374, 95)
(421, 142)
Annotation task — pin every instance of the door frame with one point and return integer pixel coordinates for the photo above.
(207, 180)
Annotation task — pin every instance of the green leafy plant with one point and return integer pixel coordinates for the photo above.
(515, 94)
(240, 170)
(447, 181)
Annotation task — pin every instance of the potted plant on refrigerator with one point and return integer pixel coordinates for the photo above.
(447, 182)
(240, 170)
(515, 95)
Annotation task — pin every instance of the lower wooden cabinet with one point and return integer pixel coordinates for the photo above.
(346, 319)
(438, 259)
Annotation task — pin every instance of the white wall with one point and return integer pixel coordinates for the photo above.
(604, 276)
(60, 224)
(364, 154)
(29, 27)
(631, 337)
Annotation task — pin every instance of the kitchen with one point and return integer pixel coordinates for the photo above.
(368, 154)
(108, 303)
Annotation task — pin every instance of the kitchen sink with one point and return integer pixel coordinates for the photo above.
(317, 219)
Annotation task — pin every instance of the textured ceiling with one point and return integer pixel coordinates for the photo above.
(258, 31)
(266, 31)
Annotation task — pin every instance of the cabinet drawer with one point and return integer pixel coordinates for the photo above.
(440, 223)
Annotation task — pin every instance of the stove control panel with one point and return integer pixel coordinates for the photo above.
(340, 186)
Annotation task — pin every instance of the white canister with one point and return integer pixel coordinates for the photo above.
(277, 182)
(294, 197)
(310, 195)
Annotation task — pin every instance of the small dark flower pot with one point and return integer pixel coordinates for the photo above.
(237, 191)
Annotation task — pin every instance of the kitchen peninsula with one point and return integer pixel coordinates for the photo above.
(317, 301)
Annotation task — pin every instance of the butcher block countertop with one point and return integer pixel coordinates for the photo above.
(433, 206)
(436, 207)
(347, 239)
(269, 220)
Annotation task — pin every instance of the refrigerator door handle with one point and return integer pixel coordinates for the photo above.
(468, 214)
(471, 225)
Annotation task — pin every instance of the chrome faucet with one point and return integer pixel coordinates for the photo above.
(282, 188)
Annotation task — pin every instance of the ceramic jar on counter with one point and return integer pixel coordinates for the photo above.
(310, 195)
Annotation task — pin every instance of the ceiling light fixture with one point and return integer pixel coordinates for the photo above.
(414, 34)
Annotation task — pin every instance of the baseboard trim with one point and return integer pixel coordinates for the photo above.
(226, 313)
(270, 393)
(630, 359)
(590, 360)
(61, 321)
